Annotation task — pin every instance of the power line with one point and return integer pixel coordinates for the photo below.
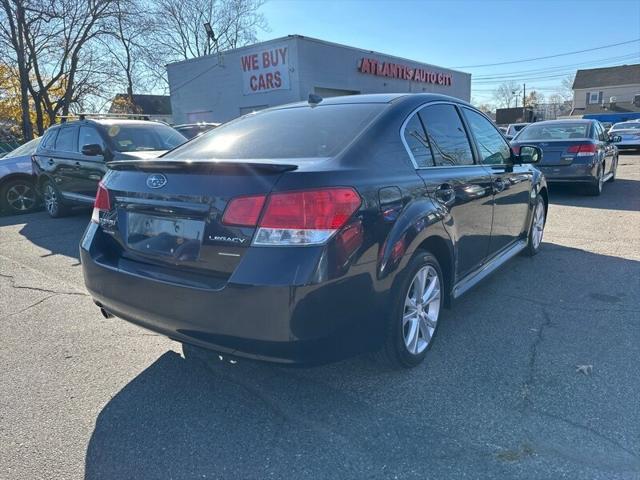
(556, 68)
(549, 56)
(541, 76)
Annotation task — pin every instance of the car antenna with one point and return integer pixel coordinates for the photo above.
(314, 99)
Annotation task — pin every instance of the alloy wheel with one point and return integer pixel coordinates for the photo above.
(50, 199)
(421, 310)
(21, 197)
(538, 225)
(600, 179)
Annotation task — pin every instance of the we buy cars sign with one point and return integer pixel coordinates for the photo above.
(265, 70)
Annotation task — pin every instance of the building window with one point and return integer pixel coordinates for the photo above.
(594, 97)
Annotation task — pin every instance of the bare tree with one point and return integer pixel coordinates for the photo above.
(534, 98)
(13, 23)
(507, 93)
(566, 87)
(178, 31)
(127, 45)
(51, 42)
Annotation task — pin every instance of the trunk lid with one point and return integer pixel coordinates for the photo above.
(556, 152)
(169, 212)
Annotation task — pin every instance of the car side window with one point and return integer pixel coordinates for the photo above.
(49, 139)
(66, 141)
(89, 136)
(493, 148)
(416, 139)
(447, 136)
(601, 133)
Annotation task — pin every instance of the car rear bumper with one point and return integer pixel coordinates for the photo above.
(287, 324)
(574, 173)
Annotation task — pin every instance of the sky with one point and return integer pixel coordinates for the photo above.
(461, 34)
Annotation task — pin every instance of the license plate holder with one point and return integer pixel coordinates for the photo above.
(178, 238)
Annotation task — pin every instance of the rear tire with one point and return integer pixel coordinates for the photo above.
(614, 171)
(595, 187)
(536, 230)
(53, 201)
(18, 196)
(414, 320)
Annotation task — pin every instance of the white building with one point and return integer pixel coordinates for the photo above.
(217, 88)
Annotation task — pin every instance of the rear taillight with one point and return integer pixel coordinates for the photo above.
(101, 204)
(582, 149)
(308, 217)
(244, 211)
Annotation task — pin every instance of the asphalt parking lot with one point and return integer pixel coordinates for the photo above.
(498, 397)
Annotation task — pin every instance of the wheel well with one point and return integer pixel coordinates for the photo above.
(16, 176)
(438, 247)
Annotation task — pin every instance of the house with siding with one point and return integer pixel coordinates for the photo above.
(607, 90)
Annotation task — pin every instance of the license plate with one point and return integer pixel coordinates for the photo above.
(179, 238)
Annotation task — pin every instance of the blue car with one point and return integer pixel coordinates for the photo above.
(17, 191)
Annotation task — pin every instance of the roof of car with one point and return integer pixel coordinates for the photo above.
(378, 98)
(566, 120)
(107, 122)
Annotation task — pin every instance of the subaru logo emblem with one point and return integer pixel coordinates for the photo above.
(157, 180)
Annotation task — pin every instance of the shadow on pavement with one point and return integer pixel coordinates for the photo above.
(622, 194)
(61, 236)
(498, 395)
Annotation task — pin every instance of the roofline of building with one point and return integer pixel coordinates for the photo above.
(317, 40)
(609, 86)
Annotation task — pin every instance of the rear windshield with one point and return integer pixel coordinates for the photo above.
(191, 131)
(626, 126)
(558, 131)
(138, 138)
(297, 132)
(26, 149)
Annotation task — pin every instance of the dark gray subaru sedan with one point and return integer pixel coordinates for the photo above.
(312, 231)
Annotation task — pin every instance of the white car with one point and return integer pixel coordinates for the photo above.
(629, 133)
(514, 128)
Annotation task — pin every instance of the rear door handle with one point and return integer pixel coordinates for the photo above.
(51, 161)
(77, 164)
(445, 194)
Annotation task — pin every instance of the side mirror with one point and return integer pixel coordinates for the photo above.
(529, 154)
(615, 138)
(92, 150)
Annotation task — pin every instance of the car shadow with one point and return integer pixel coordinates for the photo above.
(623, 194)
(459, 412)
(60, 236)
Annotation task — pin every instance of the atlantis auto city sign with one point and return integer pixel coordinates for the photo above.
(401, 71)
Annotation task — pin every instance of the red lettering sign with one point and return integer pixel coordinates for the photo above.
(393, 70)
(265, 70)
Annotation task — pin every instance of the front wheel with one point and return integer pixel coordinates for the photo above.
(537, 227)
(415, 313)
(52, 201)
(18, 196)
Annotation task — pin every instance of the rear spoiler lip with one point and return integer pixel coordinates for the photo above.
(165, 163)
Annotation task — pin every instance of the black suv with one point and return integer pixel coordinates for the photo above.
(71, 158)
(311, 231)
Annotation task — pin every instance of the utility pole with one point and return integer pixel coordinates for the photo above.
(524, 102)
